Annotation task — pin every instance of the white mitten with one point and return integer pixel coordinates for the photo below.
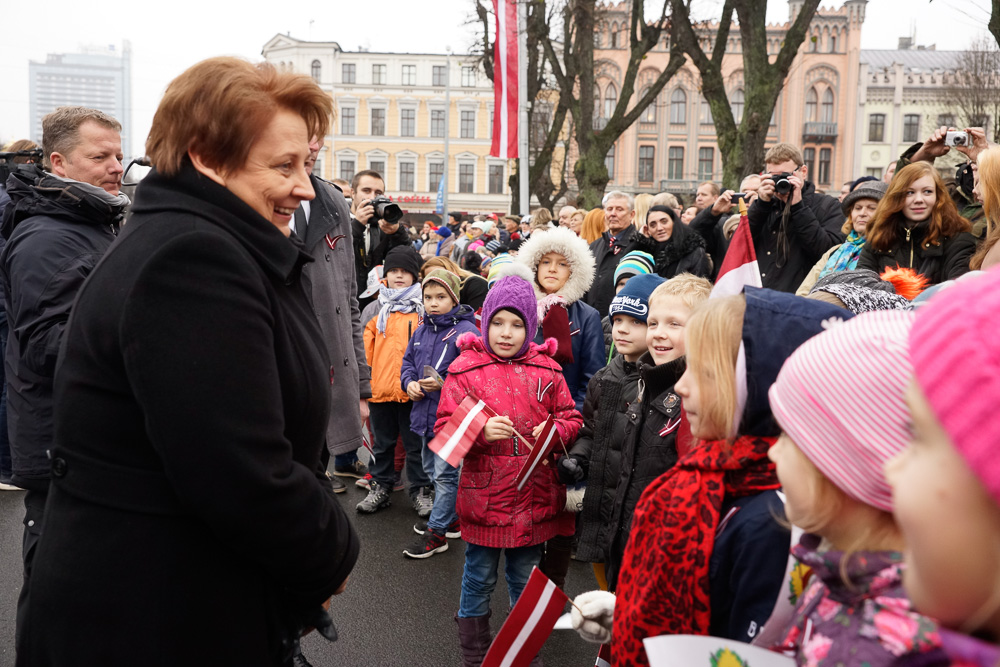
(592, 615)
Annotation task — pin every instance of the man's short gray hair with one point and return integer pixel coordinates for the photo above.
(61, 129)
(617, 194)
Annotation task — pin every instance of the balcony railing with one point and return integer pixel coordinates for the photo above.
(815, 132)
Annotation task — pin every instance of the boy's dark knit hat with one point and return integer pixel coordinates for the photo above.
(516, 294)
(633, 300)
(493, 245)
(403, 257)
(451, 283)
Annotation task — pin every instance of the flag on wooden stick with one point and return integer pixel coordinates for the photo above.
(544, 443)
(529, 625)
(739, 267)
(455, 439)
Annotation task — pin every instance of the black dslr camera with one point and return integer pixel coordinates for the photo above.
(385, 209)
(782, 185)
(28, 162)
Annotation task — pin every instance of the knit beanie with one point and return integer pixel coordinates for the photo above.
(451, 283)
(443, 231)
(956, 362)
(633, 300)
(403, 257)
(634, 263)
(499, 263)
(493, 245)
(515, 294)
(840, 398)
(866, 190)
(865, 299)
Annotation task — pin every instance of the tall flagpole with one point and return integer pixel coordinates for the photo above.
(447, 132)
(522, 103)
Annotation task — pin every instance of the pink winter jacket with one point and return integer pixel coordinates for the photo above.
(528, 389)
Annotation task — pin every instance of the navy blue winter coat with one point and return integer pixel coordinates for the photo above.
(435, 343)
(587, 337)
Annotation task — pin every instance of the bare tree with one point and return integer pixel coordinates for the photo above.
(975, 87)
(741, 140)
(994, 24)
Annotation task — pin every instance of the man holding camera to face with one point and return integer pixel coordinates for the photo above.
(792, 225)
(374, 225)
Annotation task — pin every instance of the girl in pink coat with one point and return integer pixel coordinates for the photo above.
(521, 382)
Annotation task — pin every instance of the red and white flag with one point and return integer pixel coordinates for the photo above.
(544, 443)
(505, 81)
(366, 439)
(530, 623)
(739, 267)
(455, 440)
(604, 656)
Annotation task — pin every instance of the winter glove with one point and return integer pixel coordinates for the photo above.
(570, 471)
(592, 615)
(555, 324)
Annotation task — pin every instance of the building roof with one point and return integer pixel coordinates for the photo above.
(921, 59)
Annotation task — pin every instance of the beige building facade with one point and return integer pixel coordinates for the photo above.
(390, 116)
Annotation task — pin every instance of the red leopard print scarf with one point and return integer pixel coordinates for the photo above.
(663, 587)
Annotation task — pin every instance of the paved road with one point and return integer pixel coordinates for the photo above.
(395, 612)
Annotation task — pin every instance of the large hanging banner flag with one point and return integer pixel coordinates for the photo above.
(505, 81)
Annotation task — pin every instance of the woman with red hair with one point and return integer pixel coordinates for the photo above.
(917, 226)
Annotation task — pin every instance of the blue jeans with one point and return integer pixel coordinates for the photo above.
(445, 493)
(480, 576)
(390, 421)
(347, 459)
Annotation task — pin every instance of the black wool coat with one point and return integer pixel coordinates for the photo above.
(189, 520)
(606, 258)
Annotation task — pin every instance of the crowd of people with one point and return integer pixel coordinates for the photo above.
(192, 377)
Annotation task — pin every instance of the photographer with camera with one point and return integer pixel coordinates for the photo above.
(709, 221)
(374, 226)
(792, 225)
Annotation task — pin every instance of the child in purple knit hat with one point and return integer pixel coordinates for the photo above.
(946, 485)
(523, 385)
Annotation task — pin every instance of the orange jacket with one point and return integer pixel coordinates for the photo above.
(384, 353)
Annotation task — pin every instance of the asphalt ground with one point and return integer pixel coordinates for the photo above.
(395, 611)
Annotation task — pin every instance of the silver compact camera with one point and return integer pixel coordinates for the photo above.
(957, 138)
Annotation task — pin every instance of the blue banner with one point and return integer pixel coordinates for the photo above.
(440, 198)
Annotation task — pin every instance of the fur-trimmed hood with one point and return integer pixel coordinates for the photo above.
(563, 241)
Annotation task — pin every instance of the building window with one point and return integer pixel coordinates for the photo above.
(468, 125)
(377, 166)
(678, 107)
(347, 170)
(408, 123)
(468, 77)
(876, 127)
(439, 76)
(737, 105)
(614, 38)
(435, 174)
(610, 100)
(437, 122)
(348, 120)
(833, 44)
(911, 127)
(597, 38)
(809, 158)
(706, 113)
(409, 75)
(609, 162)
(675, 163)
(874, 171)
(824, 166)
(946, 120)
(407, 171)
(812, 102)
(827, 115)
(706, 163)
(649, 113)
(647, 155)
(541, 119)
(317, 69)
(466, 177)
(347, 72)
(496, 179)
(378, 122)
(378, 75)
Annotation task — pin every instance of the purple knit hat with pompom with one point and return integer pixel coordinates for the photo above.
(516, 294)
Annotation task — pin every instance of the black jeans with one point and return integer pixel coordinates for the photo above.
(34, 506)
(390, 421)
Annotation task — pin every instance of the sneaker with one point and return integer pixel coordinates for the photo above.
(338, 485)
(364, 482)
(377, 498)
(426, 546)
(397, 482)
(423, 502)
(453, 532)
(357, 470)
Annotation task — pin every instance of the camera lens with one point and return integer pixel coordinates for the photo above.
(783, 186)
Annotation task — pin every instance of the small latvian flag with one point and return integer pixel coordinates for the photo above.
(739, 266)
(530, 623)
(604, 656)
(546, 439)
(455, 440)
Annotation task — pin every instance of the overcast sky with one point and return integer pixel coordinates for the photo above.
(165, 42)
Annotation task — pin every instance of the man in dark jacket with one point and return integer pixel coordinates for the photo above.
(620, 239)
(791, 231)
(57, 228)
(373, 239)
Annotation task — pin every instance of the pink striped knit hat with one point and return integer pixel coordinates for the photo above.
(956, 362)
(839, 397)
